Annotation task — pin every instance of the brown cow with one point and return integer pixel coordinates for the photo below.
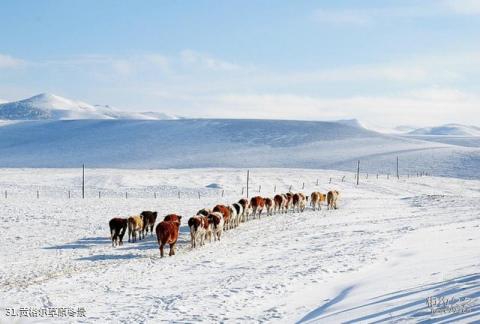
(280, 202)
(167, 233)
(118, 227)
(289, 199)
(246, 209)
(225, 211)
(149, 219)
(269, 205)
(257, 204)
(135, 225)
(332, 197)
(172, 218)
(316, 199)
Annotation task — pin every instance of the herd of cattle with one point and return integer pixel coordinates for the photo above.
(208, 223)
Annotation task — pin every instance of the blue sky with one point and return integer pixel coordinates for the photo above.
(384, 62)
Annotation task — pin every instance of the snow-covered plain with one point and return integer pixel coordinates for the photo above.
(390, 245)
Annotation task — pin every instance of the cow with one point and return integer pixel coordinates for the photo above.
(172, 218)
(149, 219)
(217, 222)
(239, 211)
(280, 202)
(289, 201)
(246, 209)
(269, 204)
(332, 197)
(199, 228)
(135, 225)
(316, 199)
(167, 233)
(225, 211)
(233, 216)
(257, 203)
(118, 227)
(299, 202)
(204, 211)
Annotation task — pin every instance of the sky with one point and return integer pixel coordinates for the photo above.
(385, 63)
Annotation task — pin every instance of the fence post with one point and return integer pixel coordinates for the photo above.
(290, 189)
(6, 195)
(330, 181)
(317, 182)
(155, 195)
(259, 188)
(358, 171)
(38, 194)
(243, 189)
(223, 192)
(69, 194)
(343, 178)
(179, 195)
(248, 179)
(275, 188)
(303, 185)
(199, 195)
(83, 181)
(99, 194)
(398, 175)
(126, 195)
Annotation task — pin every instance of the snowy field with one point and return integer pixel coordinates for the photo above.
(390, 246)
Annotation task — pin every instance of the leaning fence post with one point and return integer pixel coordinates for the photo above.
(358, 171)
(343, 178)
(199, 195)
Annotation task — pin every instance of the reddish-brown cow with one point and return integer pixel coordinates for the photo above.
(257, 204)
(167, 233)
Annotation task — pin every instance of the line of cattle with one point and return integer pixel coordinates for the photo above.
(212, 222)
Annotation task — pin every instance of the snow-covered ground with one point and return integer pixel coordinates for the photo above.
(391, 245)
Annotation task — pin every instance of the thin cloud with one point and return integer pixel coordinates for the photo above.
(10, 62)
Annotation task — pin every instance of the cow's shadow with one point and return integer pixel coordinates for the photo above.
(106, 257)
(83, 243)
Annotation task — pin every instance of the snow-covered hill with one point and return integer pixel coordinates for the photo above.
(52, 107)
(191, 143)
(448, 129)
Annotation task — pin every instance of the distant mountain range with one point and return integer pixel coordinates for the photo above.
(448, 129)
(52, 107)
